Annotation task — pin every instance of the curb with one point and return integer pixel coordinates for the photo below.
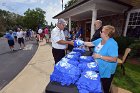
(19, 74)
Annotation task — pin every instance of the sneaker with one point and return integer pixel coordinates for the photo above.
(20, 48)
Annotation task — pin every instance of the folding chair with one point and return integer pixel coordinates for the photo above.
(122, 61)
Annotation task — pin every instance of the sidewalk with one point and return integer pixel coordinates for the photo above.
(36, 75)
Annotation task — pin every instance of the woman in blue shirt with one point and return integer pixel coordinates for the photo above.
(105, 53)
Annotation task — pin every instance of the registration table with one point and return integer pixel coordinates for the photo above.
(55, 87)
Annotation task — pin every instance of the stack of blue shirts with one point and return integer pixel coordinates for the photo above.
(89, 82)
(78, 43)
(89, 66)
(86, 59)
(73, 62)
(65, 73)
(80, 50)
(72, 57)
(75, 53)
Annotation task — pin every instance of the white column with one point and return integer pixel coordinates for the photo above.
(69, 23)
(126, 25)
(94, 16)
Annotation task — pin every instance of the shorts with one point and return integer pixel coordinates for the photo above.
(15, 37)
(21, 40)
(46, 36)
(11, 42)
(41, 35)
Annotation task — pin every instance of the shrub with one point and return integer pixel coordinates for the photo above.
(124, 42)
(135, 49)
(1, 35)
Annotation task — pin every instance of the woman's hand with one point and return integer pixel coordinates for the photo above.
(106, 58)
(95, 55)
(88, 44)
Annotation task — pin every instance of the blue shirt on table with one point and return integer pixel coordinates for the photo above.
(110, 48)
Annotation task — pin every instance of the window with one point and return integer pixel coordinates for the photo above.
(133, 27)
(134, 19)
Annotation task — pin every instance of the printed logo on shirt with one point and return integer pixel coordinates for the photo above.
(91, 75)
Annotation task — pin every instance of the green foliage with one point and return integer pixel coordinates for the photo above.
(71, 2)
(73, 24)
(135, 49)
(8, 20)
(131, 80)
(124, 42)
(34, 18)
(1, 35)
(31, 19)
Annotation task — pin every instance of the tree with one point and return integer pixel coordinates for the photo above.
(8, 20)
(71, 2)
(33, 18)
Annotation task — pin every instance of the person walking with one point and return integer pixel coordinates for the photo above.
(58, 40)
(20, 35)
(10, 40)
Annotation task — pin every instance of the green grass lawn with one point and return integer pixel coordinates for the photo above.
(131, 80)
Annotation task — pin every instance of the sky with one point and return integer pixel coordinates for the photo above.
(51, 7)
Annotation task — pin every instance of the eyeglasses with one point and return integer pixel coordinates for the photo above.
(63, 25)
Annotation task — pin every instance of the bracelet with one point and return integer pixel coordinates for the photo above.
(101, 57)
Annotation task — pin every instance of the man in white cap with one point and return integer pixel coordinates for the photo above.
(58, 40)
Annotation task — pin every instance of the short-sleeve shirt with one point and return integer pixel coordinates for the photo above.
(9, 36)
(79, 33)
(57, 35)
(46, 31)
(40, 31)
(20, 34)
(14, 33)
(110, 48)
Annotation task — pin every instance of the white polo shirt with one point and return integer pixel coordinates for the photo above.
(56, 35)
(20, 34)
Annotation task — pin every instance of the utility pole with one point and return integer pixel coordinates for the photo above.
(62, 5)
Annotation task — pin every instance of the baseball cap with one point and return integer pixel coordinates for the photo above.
(62, 21)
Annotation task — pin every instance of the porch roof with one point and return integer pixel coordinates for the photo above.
(98, 6)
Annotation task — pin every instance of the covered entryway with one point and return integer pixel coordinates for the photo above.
(85, 12)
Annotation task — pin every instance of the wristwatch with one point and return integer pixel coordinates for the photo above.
(101, 57)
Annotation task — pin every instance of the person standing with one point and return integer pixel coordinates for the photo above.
(28, 34)
(105, 54)
(41, 34)
(58, 40)
(66, 33)
(20, 36)
(46, 33)
(98, 29)
(79, 32)
(15, 36)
